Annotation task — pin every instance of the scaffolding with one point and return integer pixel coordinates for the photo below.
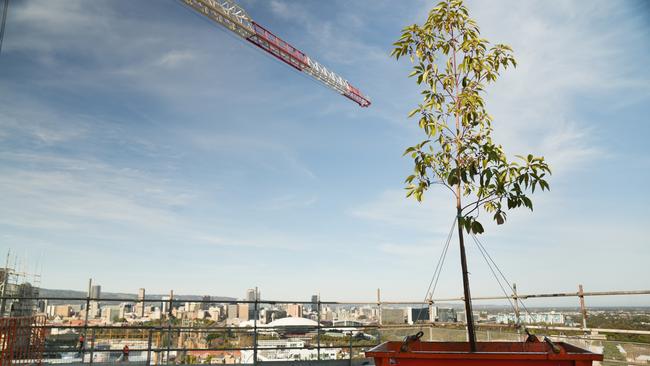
(18, 288)
(22, 340)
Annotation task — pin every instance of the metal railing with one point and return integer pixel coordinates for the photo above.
(176, 338)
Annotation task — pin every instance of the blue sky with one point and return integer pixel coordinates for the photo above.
(143, 146)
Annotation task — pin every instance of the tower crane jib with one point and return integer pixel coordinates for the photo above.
(233, 17)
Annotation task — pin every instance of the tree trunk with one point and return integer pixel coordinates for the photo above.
(459, 214)
(467, 296)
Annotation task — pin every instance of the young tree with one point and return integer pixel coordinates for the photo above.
(453, 65)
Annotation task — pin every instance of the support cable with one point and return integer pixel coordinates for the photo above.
(433, 284)
(481, 246)
(496, 277)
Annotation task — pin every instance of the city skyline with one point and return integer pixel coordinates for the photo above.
(131, 153)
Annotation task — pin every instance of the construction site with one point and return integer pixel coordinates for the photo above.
(199, 145)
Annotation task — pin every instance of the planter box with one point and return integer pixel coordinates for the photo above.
(487, 354)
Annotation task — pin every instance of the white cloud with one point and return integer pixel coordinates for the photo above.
(46, 125)
(255, 150)
(434, 215)
(175, 58)
(62, 193)
(335, 39)
(564, 56)
(289, 201)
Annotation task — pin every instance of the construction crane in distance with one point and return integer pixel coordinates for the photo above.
(232, 16)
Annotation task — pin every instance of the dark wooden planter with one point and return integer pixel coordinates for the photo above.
(487, 354)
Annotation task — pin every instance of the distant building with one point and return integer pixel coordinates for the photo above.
(461, 317)
(245, 311)
(232, 311)
(125, 308)
(166, 309)
(250, 295)
(215, 313)
(62, 311)
(446, 315)
(139, 307)
(347, 323)
(269, 315)
(24, 305)
(205, 304)
(294, 310)
(532, 318)
(314, 303)
(392, 316)
(111, 313)
(94, 310)
(417, 315)
(95, 291)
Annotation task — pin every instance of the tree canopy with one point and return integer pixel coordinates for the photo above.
(453, 65)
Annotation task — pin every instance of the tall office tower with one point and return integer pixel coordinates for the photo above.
(294, 310)
(139, 307)
(95, 292)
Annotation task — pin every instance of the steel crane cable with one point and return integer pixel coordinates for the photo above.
(5, 8)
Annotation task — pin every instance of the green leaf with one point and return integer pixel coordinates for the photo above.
(500, 218)
(477, 228)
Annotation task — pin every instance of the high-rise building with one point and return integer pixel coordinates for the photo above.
(95, 291)
(205, 304)
(233, 311)
(250, 294)
(314, 302)
(447, 315)
(94, 310)
(165, 305)
(294, 310)
(417, 315)
(139, 307)
(111, 313)
(244, 311)
(59, 310)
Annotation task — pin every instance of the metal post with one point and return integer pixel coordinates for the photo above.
(255, 327)
(85, 333)
(171, 302)
(169, 325)
(379, 305)
(142, 303)
(350, 348)
(583, 308)
(514, 296)
(92, 345)
(5, 282)
(319, 326)
(149, 347)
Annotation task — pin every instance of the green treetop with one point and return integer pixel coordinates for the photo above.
(453, 65)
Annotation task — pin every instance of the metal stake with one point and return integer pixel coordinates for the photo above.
(149, 347)
(92, 346)
(255, 328)
(319, 326)
(583, 309)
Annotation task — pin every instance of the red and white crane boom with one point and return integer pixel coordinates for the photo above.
(232, 16)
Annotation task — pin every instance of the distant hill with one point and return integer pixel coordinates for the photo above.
(44, 292)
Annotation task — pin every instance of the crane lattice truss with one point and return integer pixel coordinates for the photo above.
(235, 18)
